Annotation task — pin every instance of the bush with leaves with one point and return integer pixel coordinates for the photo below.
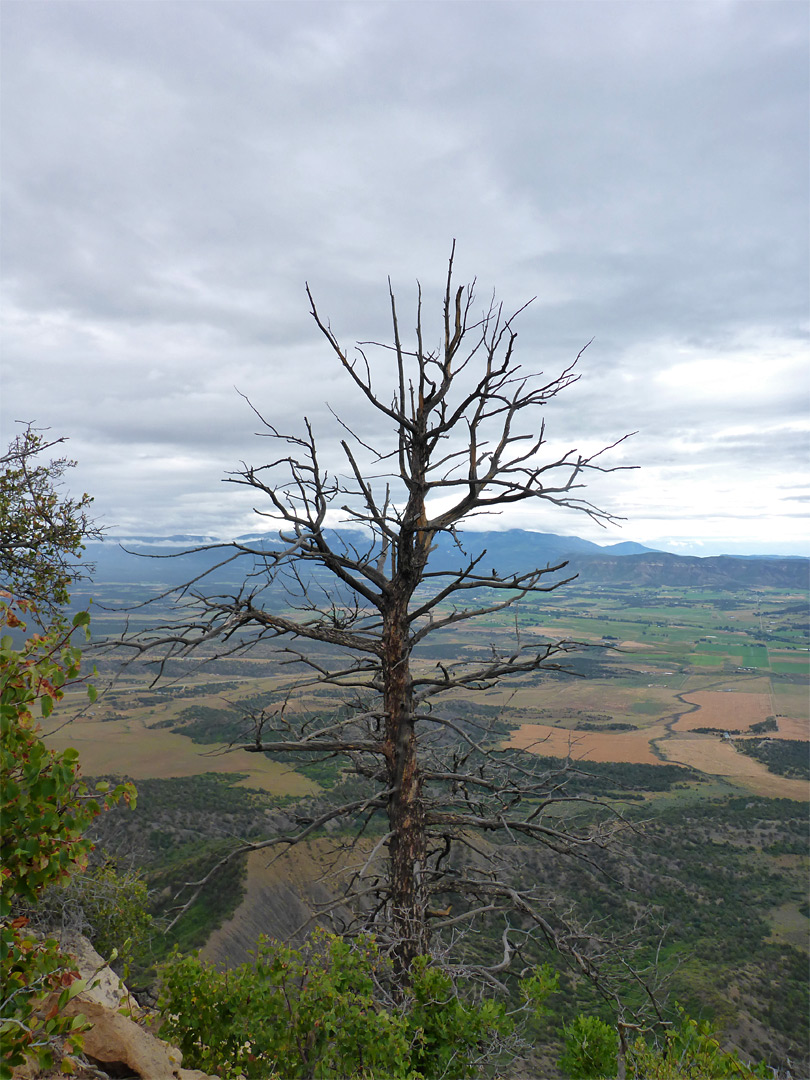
(591, 1049)
(46, 810)
(321, 1012)
(688, 1051)
(109, 906)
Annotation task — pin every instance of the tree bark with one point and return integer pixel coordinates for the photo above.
(406, 812)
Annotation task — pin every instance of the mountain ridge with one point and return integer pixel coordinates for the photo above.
(179, 558)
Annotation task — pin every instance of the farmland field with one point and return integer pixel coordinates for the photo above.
(725, 709)
(692, 679)
(657, 665)
(717, 758)
(128, 747)
(792, 698)
(589, 746)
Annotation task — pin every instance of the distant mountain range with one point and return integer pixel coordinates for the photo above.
(508, 551)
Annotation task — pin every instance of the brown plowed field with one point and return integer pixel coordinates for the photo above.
(725, 709)
(733, 710)
(717, 757)
(631, 746)
(791, 727)
(706, 753)
(127, 747)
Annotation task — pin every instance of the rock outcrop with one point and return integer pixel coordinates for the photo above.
(117, 1044)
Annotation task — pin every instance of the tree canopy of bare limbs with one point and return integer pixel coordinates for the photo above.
(462, 435)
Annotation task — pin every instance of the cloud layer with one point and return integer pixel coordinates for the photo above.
(174, 173)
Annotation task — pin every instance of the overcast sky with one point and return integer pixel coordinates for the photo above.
(173, 173)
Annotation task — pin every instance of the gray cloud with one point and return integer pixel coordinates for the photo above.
(173, 174)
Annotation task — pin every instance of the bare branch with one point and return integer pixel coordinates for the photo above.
(459, 432)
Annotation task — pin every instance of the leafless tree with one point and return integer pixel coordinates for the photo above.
(463, 436)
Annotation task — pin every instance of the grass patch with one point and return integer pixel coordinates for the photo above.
(648, 708)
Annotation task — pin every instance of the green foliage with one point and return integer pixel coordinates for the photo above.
(34, 971)
(446, 1034)
(108, 906)
(181, 828)
(591, 1049)
(541, 984)
(200, 795)
(46, 809)
(206, 724)
(217, 900)
(690, 1052)
(319, 1012)
(616, 778)
(41, 531)
(768, 724)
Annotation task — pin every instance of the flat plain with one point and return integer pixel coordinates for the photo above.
(128, 747)
(655, 666)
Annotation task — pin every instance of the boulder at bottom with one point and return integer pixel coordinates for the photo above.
(115, 1042)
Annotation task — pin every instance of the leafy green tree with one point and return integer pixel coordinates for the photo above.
(41, 529)
(690, 1051)
(322, 1012)
(45, 808)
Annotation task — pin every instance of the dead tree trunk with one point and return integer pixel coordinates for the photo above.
(461, 436)
(406, 812)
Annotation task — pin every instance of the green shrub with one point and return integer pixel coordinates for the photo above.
(46, 809)
(690, 1052)
(108, 906)
(591, 1049)
(686, 1052)
(320, 1012)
